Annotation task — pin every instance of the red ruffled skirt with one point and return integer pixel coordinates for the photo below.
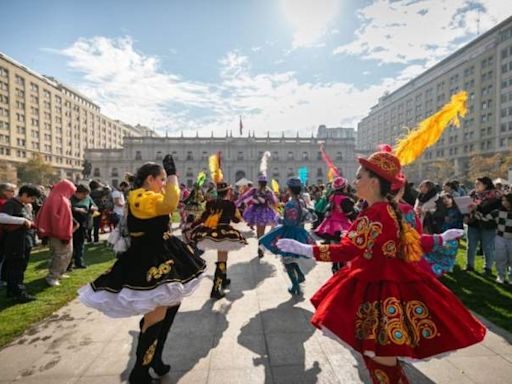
(417, 317)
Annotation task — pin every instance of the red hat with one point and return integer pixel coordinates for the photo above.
(385, 165)
(339, 182)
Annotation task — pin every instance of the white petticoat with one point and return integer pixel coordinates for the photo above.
(130, 302)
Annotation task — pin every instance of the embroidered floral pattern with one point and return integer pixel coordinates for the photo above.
(365, 234)
(381, 376)
(389, 248)
(394, 321)
(324, 252)
(150, 352)
(161, 270)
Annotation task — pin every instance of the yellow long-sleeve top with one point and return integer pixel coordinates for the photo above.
(146, 204)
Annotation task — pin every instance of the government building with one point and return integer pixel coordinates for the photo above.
(483, 68)
(39, 115)
(240, 155)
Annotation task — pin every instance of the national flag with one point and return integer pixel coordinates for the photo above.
(241, 126)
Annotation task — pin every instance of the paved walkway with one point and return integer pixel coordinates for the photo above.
(257, 334)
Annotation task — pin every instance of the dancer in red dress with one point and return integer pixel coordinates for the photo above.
(382, 304)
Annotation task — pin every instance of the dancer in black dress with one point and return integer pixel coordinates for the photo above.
(156, 272)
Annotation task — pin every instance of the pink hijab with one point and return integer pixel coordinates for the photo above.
(55, 219)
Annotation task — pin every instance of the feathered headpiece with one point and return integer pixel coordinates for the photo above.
(215, 170)
(264, 163)
(275, 186)
(332, 171)
(303, 175)
(201, 178)
(430, 130)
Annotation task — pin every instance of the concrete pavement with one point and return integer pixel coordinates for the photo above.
(257, 334)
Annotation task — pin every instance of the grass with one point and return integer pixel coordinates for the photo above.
(480, 293)
(15, 318)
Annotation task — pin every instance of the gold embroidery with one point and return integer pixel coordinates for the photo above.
(167, 235)
(384, 163)
(365, 234)
(381, 376)
(150, 352)
(325, 254)
(393, 321)
(389, 248)
(158, 272)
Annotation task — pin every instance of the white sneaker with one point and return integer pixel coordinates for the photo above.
(65, 276)
(500, 280)
(53, 282)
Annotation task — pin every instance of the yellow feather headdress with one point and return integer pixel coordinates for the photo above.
(428, 132)
(215, 170)
(275, 186)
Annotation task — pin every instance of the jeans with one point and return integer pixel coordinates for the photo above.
(486, 237)
(503, 257)
(78, 246)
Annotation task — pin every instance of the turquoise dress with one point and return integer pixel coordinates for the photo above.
(295, 215)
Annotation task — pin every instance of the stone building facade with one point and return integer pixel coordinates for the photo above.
(240, 156)
(483, 68)
(40, 115)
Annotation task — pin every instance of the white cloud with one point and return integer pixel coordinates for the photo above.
(132, 87)
(310, 19)
(405, 31)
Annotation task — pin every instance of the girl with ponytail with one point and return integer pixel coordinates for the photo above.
(382, 303)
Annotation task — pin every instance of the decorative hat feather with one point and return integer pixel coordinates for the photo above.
(430, 130)
(215, 169)
(264, 163)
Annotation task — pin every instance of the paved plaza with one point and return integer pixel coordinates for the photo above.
(257, 334)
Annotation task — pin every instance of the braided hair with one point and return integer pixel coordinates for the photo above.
(386, 192)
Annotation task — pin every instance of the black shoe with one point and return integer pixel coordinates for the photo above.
(488, 272)
(260, 253)
(469, 269)
(22, 297)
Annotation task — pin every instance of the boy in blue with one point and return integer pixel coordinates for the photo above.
(18, 241)
(295, 215)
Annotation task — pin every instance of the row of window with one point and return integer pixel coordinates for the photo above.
(240, 156)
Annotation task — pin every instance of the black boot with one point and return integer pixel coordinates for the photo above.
(217, 291)
(157, 364)
(224, 268)
(146, 349)
(260, 253)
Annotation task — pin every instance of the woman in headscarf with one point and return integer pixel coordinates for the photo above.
(54, 221)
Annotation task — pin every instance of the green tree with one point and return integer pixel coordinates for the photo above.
(36, 171)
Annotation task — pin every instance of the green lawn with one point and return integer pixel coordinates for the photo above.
(15, 318)
(480, 293)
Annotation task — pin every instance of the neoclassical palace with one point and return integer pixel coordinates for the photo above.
(240, 155)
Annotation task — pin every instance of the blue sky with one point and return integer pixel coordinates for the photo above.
(283, 65)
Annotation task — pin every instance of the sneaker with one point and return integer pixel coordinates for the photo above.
(500, 280)
(24, 297)
(52, 282)
(65, 276)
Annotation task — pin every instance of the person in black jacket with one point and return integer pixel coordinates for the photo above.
(18, 242)
(481, 224)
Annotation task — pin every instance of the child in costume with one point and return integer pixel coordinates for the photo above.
(382, 303)
(260, 211)
(193, 207)
(339, 216)
(154, 274)
(292, 227)
(214, 230)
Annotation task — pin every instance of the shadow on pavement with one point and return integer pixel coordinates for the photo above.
(286, 330)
